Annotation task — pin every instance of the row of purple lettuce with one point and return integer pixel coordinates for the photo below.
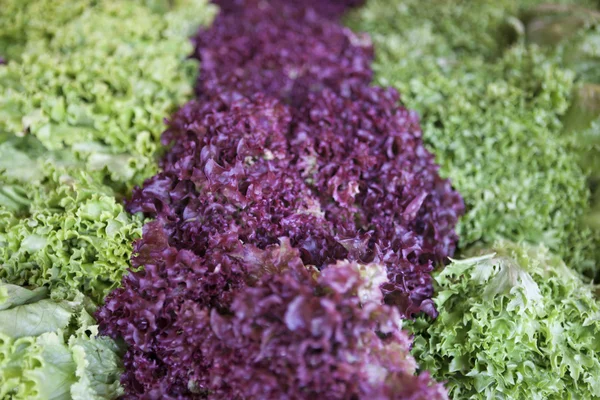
(287, 185)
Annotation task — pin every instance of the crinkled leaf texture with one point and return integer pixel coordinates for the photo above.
(281, 49)
(514, 323)
(97, 78)
(258, 324)
(59, 227)
(491, 114)
(81, 105)
(302, 339)
(286, 166)
(49, 349)
(345, 176)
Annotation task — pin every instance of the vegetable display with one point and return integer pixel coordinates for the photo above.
(81, 96)
(512, 121)
(63, 224)
(281, 331)
(299, 199)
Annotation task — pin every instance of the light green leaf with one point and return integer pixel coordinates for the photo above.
(49, 350)
(13, 295)
(517, 325)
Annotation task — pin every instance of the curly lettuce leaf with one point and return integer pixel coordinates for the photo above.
(514, 323)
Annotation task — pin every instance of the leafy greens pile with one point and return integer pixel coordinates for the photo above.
(283, 237)
(516, 323)
(78, 110)
(509, 102)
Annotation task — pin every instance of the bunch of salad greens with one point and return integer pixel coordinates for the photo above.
(321, 192)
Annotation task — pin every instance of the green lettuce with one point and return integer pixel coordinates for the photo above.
(26, 20)
(492, 107)
(101, 87)
(81, 112)
(59, 227)
(49, 350)
(514, 323)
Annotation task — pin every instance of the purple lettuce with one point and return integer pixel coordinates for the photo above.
(291, 338)
(377, 184)
(249, 192)
(229, 177)
(332, 9)
(347, 178)
(297, 219)
(288, 333)
(281, 50)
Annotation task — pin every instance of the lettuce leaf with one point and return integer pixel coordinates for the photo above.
(49, 349)
(515, 322)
